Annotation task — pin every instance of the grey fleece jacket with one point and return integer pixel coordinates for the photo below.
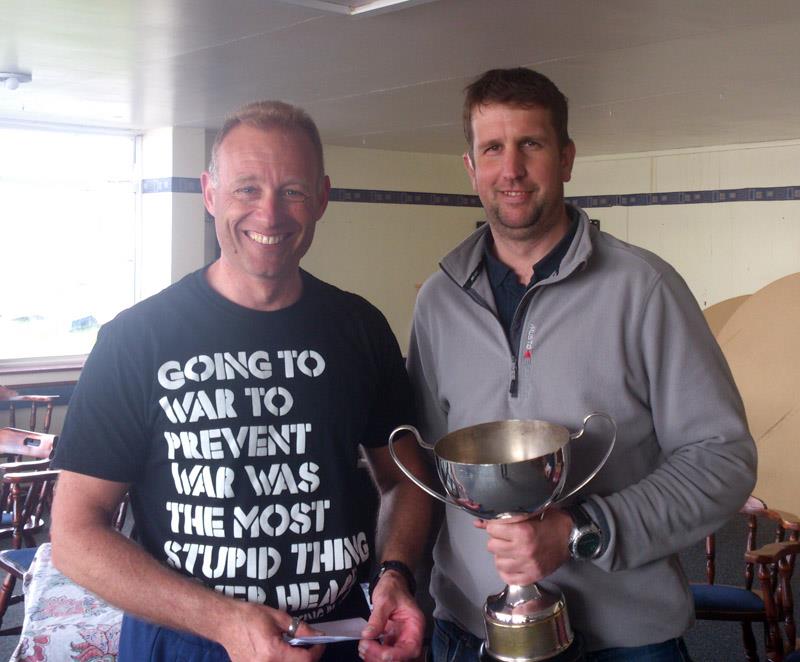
(614, 330)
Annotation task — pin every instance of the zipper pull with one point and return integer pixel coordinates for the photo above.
(473, 277)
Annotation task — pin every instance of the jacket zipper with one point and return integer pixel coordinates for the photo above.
(513, 388)
(515, 339)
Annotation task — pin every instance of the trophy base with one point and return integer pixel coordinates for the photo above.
(526, 624)
(575, 653)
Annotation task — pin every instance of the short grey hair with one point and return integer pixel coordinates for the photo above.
(267, 115)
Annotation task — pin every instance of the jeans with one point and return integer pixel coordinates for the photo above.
(141, 641)
(452, 644)
(672, 650)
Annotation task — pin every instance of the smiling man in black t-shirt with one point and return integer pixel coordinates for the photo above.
(232, 406)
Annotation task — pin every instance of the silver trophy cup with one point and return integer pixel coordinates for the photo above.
(498, 470)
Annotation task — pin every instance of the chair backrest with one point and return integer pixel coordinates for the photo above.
(35, 401)
(29, 494)
(26, 443)
(755, 511)
(772, 563)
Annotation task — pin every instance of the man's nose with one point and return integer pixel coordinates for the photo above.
(268, 205)
(513, 164)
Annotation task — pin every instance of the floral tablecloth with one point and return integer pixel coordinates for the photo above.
(63, 621)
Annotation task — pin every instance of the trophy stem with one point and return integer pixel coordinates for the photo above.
(517, 594)
(526, 624)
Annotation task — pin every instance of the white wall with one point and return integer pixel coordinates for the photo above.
(722, 249)
(385, 251)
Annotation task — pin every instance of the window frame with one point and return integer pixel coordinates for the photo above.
(67, 366)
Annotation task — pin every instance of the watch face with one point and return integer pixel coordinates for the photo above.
(587, 544)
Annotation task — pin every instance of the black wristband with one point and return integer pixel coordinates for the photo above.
(399, 567)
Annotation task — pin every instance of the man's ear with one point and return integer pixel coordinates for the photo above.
(324, 195)
(209, 193)
(470, 166)
(567, 161)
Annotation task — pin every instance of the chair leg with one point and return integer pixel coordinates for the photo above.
(750, 651)
(773, 642)
(5, 594)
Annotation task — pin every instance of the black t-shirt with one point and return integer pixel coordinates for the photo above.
(239, 432)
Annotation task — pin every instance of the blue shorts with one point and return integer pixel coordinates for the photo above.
(141, 641)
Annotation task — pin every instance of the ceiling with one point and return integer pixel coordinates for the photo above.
(640, 74)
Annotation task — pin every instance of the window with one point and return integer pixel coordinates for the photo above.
(67, 240)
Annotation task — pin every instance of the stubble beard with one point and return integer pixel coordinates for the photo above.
(531, 227)
(543, 218)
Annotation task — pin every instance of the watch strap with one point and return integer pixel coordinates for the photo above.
(580, 518)
(398, 566)
(597, 515)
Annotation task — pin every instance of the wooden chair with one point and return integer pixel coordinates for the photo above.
(18, 444)
(36, 401)
(30, 494)
(771, 604)
(16, 561)
(26, 490)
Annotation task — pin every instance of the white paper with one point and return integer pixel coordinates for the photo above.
(347, 629)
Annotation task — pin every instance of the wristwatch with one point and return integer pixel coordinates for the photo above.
(586, 538)
(398, 566)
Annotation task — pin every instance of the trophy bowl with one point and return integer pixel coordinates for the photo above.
(504, 468)
(499, 470)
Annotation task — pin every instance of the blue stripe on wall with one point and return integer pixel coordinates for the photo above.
(384, 197)
(403, 197)
(688, 197)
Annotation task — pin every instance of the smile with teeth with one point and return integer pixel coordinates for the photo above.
(266, 239)
(515, 194)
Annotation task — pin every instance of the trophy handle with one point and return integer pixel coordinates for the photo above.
(578, 435)
(402, 467)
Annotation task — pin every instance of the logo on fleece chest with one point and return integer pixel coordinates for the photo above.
(527, 355)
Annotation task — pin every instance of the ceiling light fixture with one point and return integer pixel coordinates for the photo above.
(357, 7)
(12, 79)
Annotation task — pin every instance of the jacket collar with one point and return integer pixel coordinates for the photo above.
(464, 264)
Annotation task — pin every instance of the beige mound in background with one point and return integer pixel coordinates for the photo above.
(760, 336)
(718, 314)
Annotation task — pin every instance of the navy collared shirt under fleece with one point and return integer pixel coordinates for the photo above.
(507, 289)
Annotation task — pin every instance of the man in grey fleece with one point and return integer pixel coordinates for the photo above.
(539, 315)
